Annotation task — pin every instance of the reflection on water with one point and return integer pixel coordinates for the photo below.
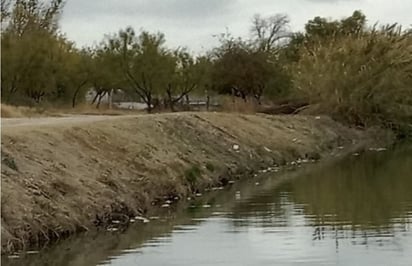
(355, 212)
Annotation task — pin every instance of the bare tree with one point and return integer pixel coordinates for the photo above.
(269, 31)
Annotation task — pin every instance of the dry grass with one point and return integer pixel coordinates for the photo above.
(363, 79)
(8, 111)
(58, 180)
(238, 105)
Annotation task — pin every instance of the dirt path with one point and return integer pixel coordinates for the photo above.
(67, 120)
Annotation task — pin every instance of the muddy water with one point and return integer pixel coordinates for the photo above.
(357, 211)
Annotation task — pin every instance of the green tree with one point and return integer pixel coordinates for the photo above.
(321, 28)
(75, 75)
(105, 72)
(29, 47)
(185, 77)
(206, 85)
(242, 69)
(145, 62)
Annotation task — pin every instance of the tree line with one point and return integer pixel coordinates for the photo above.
(354, 72)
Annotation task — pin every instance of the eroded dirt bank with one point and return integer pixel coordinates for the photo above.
(59, 179)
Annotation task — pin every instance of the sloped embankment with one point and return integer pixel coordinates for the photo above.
(62, 179)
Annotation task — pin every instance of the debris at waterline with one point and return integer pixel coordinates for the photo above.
(377, 149)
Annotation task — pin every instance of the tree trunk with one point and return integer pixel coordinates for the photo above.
(110, 98)
(95, 97)
(165, 103)
(207, 102)
(76, 92)
(258, 96)
(100, 99)
(170, 100)
(187, 99)
(149, 103)
(243, 95)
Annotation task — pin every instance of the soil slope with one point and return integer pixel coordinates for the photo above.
(59, 178)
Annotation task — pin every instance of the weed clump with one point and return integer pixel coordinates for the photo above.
(9, 161)
(210, 167)
(192, 174)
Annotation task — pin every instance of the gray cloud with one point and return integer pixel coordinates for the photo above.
(193, 22)
(164, 10)
(333, 1)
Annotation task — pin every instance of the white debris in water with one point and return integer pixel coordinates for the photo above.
(236, 147)
(237, 195)
(176, 198)
(257, 184)
(142, 219)
(198, 194)
(231, 182)
(267, 149)
(206, 206)
(377, 149)
(112, 229)
(115, 222)
(132, 220)
(340, 147)
(294, 140)
(317, 117)
(355, 154)
(165, 205)
(32, 252)
(14, 256)
(168, 201)
(189, 198)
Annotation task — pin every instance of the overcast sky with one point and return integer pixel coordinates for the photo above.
(193, 23)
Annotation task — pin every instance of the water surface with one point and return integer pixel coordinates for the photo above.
(357, 211)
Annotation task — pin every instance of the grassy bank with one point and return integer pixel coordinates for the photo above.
(62, 179)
